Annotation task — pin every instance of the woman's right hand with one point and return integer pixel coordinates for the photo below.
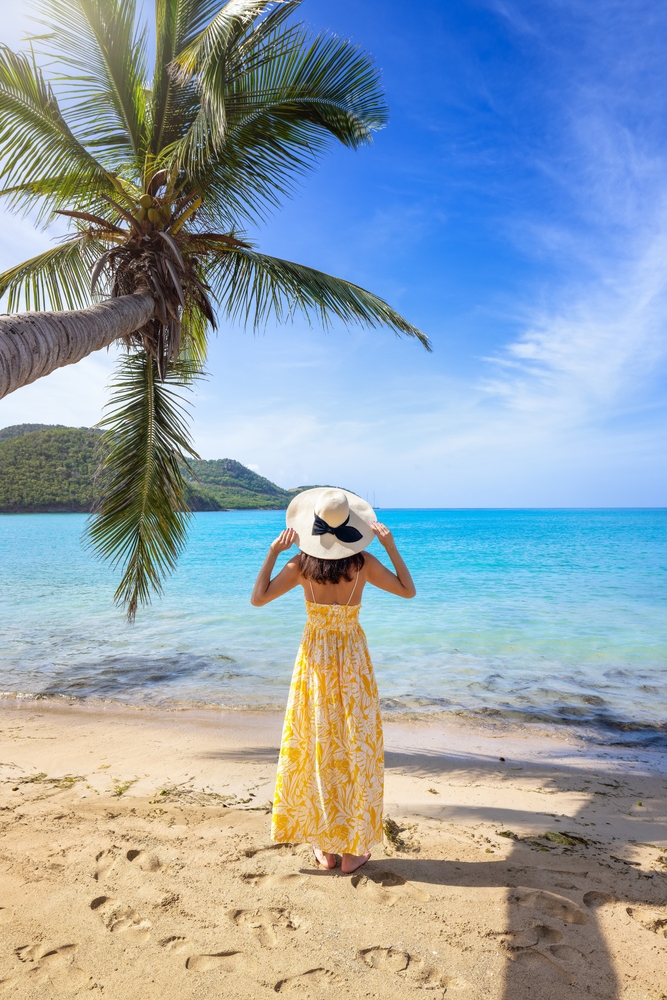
(285, 540)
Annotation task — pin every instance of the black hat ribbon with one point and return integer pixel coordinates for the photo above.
(344, 532)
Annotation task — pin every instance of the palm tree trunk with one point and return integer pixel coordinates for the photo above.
(34, 344)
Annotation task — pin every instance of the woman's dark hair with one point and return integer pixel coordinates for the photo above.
(330, 570)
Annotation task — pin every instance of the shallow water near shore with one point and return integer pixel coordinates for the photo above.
(552, 616)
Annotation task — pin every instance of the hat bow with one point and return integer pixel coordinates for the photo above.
(344, 532)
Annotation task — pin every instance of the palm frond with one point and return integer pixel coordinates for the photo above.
(207, 53)
(162, 103)
(140, 522)
(252, 287)
(174, 107)
(58, 279)
(42, 164)
(205, 59)
(195, 15)
(102, 49)
(284, 98)
(194, 345)
(277, 68)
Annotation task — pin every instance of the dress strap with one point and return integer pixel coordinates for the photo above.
(312, 592)
(353, 589)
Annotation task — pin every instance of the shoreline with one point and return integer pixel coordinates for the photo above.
(647, 739)
(443, 738)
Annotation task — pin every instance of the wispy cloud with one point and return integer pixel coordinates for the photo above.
(599, 351)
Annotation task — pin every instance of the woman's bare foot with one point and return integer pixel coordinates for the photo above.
(351, 862)
(324, 859)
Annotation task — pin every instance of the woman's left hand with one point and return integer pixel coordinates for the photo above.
(383, 535)
(285, 540)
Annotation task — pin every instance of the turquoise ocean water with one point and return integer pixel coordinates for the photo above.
(534, 615)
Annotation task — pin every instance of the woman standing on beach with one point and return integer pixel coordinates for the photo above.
(330, 781)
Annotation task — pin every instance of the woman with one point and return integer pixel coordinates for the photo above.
(330, 779)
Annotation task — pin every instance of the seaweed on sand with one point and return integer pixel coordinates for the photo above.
(185, 794)
(67, 780)
(393, 831)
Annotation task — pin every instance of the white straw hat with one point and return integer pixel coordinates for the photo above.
(331, 523)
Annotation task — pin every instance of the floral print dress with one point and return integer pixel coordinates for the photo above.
(330, 781)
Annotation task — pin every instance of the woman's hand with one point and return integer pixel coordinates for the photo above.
(400, 582)
(383, 535)
(265, 588)
(285, 540)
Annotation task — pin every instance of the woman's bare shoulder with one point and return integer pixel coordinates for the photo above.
(370, 558)
(370, 561)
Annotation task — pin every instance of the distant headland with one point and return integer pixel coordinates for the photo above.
(49, 468)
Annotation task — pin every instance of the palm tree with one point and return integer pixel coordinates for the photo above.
(157, 178)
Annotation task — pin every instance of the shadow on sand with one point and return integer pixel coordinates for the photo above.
(554, 942)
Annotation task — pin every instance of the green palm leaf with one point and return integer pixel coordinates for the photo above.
(269, 109)
(140, 521)
(42, 164)
(59, 278)
(103, 55)
(252, 288)
(174, 108)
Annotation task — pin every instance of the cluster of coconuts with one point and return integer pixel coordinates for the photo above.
(151, 209)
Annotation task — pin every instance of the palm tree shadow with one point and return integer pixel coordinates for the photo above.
(553, 941)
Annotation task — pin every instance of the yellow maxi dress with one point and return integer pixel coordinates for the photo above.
(330, 782)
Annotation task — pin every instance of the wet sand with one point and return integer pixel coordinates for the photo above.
(136, 862)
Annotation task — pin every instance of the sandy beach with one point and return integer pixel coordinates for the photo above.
(136, 862)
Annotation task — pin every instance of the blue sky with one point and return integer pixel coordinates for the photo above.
(515, 208)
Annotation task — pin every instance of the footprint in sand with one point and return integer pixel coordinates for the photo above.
(264, 923)
(121, 919)
(223, 961)
(6, 914)
(146, 862)
(56, 964)
(565, 953)
(594, 899)
(251, 852)
(538, 934)
(105, 861)
(395, 960)
(307, 982)
(650, 919)
(549, 904)
(426, 975)
(533, 963)
(387, 887)
(176, 944)
(386, 959)
(291, 879)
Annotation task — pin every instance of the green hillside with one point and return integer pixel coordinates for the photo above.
(47, 470)
(50, 468)
(223, 483)
(16, 430)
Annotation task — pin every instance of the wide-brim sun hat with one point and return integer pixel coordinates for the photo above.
(331, 523)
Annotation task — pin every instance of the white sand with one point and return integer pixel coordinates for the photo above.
(149, 873)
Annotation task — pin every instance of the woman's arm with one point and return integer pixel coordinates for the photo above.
(400, 583)
(265, 588)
